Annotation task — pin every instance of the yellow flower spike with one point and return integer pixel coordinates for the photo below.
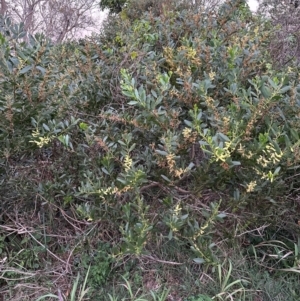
(127, 163)
(211, 75)
(251, 186)
(186, 133)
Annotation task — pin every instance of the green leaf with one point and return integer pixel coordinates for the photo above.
(105, 170)
(136, 93)
(25, 69)
(122, 143)
(294, 134)
(127, 93)
(154, 93)
(222, 215)
(199, 260)
(47, 296)
(266, 92)
(188, 123)
(67, 139)
(132, 147)
(61, 139)
(45, 126)
(162, 153)
(274, 85)
(276, 172)
(83, 126)
(165, 178)
(43, 70)
(21, 35)
(284, 89)
(191, 165)
(224, 137)
(133, 102)
(122, 181)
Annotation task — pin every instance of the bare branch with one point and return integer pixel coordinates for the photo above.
(284, 17)
(57, 19)
(3, 7)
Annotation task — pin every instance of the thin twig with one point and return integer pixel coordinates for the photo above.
(162, 261)
(51, 253)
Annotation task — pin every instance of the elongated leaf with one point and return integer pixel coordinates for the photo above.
(25, 70)
(47, 296)
(128, 94)
(154, 93)
(133, 102)
(163, 153)
(285, 89)
(224, 137)
(199, 260)
(265, 91)
(45, 126)
(43, 70)
(165, 178)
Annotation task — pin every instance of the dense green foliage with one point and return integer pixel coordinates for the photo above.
(171, 128)
(114, 6)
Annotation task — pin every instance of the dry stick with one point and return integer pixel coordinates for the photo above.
(69, 257)
(26, 274)
(162, 261)
(168, 189)
(60, 297)
(7, 228)
(152, 184)
(52, 254)
(257, 229)
(68, 218)
(57, 207)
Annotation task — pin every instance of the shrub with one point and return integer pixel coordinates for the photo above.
(162, 125)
